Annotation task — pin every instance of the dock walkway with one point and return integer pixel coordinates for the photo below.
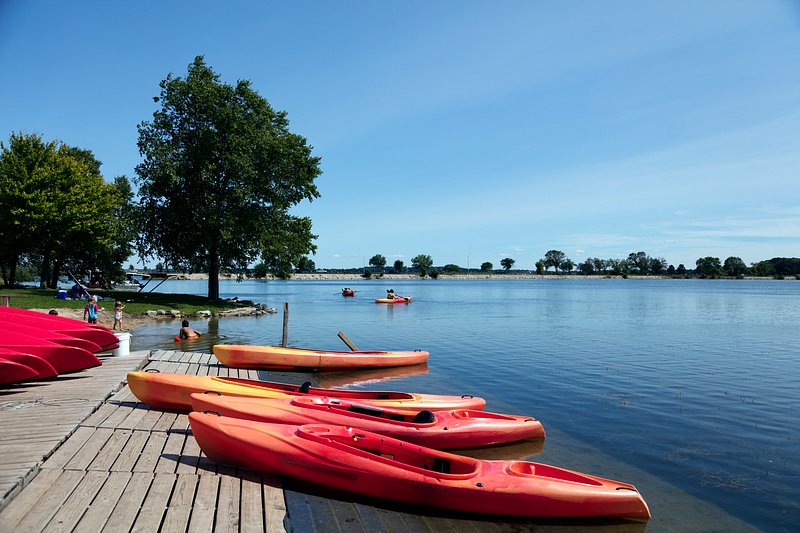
(80, 453)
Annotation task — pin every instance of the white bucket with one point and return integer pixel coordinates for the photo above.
(124, 345)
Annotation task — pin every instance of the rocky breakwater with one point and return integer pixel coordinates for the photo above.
(245, 308)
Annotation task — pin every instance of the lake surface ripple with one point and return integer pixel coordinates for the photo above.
(696, 382)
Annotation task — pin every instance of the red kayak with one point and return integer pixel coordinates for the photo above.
(450, 429)
(375, 465)
(100, 335)
(63, 358)
(12, 372)
(42, 367)
(348, 292)
(52, 336)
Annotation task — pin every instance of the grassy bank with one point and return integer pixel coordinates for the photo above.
(135, 302)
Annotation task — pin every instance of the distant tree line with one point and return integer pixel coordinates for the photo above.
(636, 264)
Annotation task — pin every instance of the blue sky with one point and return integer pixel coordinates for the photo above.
(469, 131)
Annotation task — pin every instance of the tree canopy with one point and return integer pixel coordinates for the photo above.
(554, 258)
(423, 263)
(378, 261)
(57, 211)
(507, 263)
(220, 172)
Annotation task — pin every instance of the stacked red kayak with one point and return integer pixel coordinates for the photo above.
(34, 345)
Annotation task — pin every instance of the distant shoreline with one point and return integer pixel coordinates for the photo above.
(317, 276)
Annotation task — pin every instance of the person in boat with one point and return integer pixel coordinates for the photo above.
(390, 294)
(187, 332)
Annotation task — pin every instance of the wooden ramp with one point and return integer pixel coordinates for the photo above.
(126, 467)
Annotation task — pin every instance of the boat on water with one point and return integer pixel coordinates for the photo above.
(279, 357)
(348, 292)
(362, 462)
(395, 300)
(446, 429)
(173, 391)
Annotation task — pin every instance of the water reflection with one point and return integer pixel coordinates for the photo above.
(362, 378)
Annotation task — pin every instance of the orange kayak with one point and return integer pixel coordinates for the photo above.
(375, 465)
(278, 357)
(449, 429)
(395, 300)
(173, 391)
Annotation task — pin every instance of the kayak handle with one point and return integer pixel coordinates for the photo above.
(211, 413)
(212, 392)
(467, 396)
(153, 370)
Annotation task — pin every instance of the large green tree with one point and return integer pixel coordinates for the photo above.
(378, 261)
(507, 263)
(554, 258)
(221, 171)
(422, 263)
(56, 209)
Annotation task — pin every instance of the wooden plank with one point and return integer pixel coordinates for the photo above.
(274, 503)
(166, 421)
(205, 505)
(68, 450)
(75, 506)
(28, 499)
(168, 461)
(136, 412)
(87, 453)
(155, 503)
(180, 503)
(98, 417)
(149, 419)
(227, 519)
(190, 456)
(251, 514)
(151, 453)
(103, 505)
(52, 499)
(129, 455)
(127, 509)
(108, 455)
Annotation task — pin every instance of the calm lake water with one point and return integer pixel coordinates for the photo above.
(693, 384)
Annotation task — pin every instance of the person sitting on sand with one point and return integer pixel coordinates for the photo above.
(188, 333)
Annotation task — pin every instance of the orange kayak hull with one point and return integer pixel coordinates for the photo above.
(395, 300)
(446, 429)
(278, 357)
(367, 463)
(173, 391)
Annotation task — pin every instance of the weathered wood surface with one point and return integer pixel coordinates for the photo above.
(37, 417)
(126, 467)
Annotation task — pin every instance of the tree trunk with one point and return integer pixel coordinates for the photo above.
(213, 274)
(56, 270)
(44, 275)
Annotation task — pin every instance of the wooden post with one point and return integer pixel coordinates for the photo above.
(285, 341)
(6, 300)
(347, 341)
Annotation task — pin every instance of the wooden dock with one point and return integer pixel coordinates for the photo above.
(80, 453)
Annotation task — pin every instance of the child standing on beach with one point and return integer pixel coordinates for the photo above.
(118, 307)
(91, 310)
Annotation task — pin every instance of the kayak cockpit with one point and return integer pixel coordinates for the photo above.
(401, 454)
